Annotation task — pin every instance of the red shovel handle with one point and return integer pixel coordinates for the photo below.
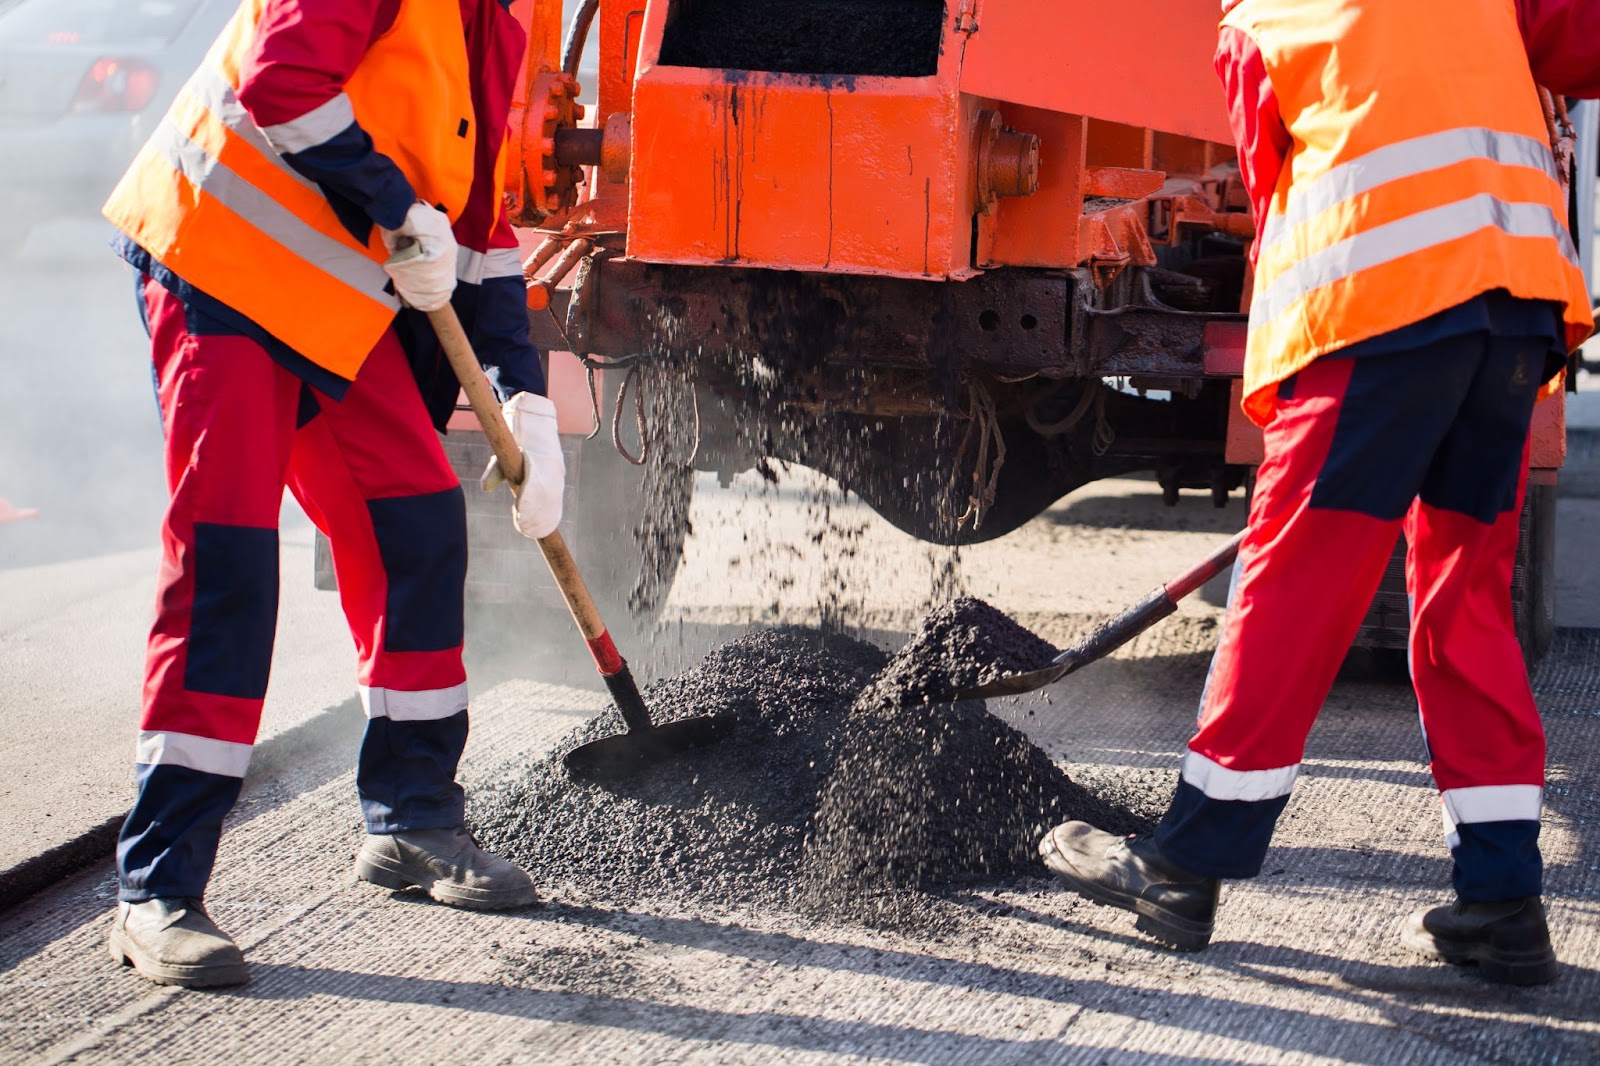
(1160, 603)
(1220, 560)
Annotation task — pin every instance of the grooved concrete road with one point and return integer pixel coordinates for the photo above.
(1305, 967)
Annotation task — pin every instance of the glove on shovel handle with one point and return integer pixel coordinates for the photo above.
(458, 350)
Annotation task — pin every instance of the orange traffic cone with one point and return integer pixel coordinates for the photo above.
(9, 513)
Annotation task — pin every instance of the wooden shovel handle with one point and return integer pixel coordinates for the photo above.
(480, 394)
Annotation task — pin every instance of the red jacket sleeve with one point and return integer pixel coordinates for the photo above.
(491, 297)
(1563, 42)
(1258, 130)
(292, 81)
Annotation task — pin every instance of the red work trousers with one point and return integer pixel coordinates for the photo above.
(1431, 441)
(370, 471)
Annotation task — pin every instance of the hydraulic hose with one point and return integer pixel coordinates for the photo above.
(578, 36)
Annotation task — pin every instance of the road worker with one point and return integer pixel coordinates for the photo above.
(1416, 288)
(316, 139)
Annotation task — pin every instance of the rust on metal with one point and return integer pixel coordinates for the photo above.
(1007, 161)
(540, 287)
(1124, 183)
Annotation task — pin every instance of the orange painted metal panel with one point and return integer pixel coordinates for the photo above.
(1112, 144)
(863, 175)
(619, 25)
(1244, 445)
(1139, 62)
(768, 170)
(1042, 230)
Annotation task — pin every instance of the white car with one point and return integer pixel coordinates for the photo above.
(82, 84)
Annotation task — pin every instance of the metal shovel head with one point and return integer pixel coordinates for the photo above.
(1017, 684)
(617, 757)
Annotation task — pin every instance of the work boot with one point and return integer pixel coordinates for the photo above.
(174, 942)
(1508, 940)
(448, 865)
(1174, 905)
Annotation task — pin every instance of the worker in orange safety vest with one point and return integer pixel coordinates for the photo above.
(1416, 288)
(290, 349)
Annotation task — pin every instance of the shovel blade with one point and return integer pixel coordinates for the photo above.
(618, 757)
(1017, 684)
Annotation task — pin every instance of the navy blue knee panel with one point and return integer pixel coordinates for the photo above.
(422, 541)
(235, 610)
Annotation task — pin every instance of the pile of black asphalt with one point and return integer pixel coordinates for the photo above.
(851, 784)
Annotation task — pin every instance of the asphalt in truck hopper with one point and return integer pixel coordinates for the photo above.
(895, 38)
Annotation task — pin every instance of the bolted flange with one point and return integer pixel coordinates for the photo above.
(1007, 161)
(549, 186)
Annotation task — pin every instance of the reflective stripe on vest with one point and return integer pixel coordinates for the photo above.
(1406, 191)
(1433, 151)
(346, 262)
(211, 199)
(1407, 236)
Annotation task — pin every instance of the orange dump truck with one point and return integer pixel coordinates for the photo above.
(962, 256)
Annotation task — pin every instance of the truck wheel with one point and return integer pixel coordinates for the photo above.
(1533, 601)
(1034, 476)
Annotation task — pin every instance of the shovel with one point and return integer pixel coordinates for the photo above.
(645, 742)
(1114, 633)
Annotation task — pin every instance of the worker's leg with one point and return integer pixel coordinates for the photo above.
(1481, 727)
(371, 473)
(228, 413)
(1346, 453)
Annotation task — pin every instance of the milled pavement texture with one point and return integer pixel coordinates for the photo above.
(1306, 966)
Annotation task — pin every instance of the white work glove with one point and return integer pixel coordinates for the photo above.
(537, 510)
(422, 261)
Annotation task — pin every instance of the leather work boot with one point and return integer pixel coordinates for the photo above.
(1508, 940)
(174, 942)
(1173, 905)
(448, 865)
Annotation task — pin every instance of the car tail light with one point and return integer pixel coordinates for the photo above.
(114, 84)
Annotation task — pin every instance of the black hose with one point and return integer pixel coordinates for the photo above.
(578, 36)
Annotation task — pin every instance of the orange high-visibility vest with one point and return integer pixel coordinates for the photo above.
(1420, 175)
(211, 200)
